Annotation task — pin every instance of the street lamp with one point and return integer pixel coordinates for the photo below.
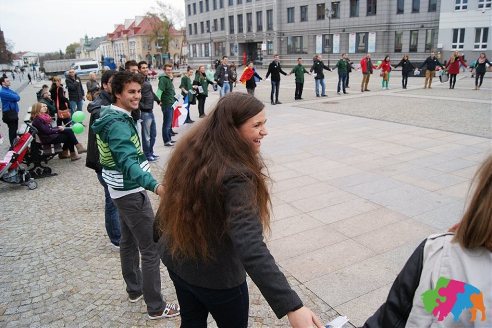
(329, 14)
(210, 46)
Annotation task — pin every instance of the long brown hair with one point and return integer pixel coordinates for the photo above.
(191, 213)
(475, 229)
(36, 110)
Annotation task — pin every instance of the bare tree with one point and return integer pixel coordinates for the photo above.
(164, 18)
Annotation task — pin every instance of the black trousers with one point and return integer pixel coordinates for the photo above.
(479, 76)
(347, 80)
(404, 79)
(67, 138)
(228, 307)
(452, 80)
(11, 118)
(298, 92)
(201, 104)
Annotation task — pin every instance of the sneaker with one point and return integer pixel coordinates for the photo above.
(278, 102)
(173, 141)
(346, 93)
(151, 159)
(273, 103)
(169, 144)
(317, 95)
(324, 96)
(116, 247)
(156, 156)
(170, 310)
(338, 93)
(135, 299)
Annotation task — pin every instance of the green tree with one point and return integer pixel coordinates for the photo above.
(70, 50)
(163, 18)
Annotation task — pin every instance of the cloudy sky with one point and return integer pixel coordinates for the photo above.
(50, 25)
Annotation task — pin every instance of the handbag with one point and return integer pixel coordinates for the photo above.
(61, 113)
(88, 96)
(444, 77)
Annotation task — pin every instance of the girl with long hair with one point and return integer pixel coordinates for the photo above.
(385, 67)
(453, 67)
(406, 68)
(212, 216)
(61, 102)
(480, 69)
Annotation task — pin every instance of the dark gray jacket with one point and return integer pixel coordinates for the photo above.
(94, 108)
(148, 97)
(241, 251)
(75, 89)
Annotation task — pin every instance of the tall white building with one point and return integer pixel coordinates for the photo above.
(465, 25)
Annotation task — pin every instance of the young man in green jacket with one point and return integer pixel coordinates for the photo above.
(187, 90)
(167, 101)
(342, 66)
(299, 72)
(126, 171)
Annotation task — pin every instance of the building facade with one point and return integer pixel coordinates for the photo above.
(257, 29)
(465, 25)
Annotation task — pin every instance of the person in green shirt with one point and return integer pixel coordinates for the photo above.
(299, 72)
(342, 66)
(202, 82)
(187, 90)
(167, 101)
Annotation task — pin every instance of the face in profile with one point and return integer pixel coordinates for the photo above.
(253, 130)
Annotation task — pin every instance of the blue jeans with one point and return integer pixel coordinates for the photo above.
(111, 216)
(275, 88)
(323, 86)
(149, 133)
(342, 79)
(228, 307)
(76, 105)
(167, 123)
(225, 89)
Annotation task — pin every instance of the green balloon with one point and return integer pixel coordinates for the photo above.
(78, 116)
(77, 128)
(379, 62)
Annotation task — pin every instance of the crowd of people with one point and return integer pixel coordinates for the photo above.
(215, 205)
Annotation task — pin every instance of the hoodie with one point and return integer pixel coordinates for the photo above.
(94, 108)
(124, 165)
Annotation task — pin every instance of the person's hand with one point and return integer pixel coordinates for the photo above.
(160, 191)
(454, 227)
(304, 318)
(61, 128)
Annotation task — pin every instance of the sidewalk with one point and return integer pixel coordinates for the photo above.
(352, 197)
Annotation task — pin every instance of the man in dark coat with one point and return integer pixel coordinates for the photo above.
(76, 94)
(274, 69)
(319, 77)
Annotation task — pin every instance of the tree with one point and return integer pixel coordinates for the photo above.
(6, 48)
(70, 50)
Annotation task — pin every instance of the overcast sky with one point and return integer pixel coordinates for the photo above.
(50, 25)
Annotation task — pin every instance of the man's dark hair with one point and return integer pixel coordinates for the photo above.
(130, 63)
(107, 75)
(140, 63)
(2, 79)
(224, 57)
(122, 78)
(299, 58)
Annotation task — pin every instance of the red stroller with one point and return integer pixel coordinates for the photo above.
(11, 168)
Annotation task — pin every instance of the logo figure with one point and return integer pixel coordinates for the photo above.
(453, 296)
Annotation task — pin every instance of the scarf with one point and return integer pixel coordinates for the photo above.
(482, 60)
(45, 118)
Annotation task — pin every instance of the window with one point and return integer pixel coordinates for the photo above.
(414, 41)
(461, 5)
(231, 24)
(481, 35)
(295, 45)
(240, 23)
(361, 42)
(304, 13)
(194, 50)
(400, 7)
(320, 11)
(248, 0)
(429, 40)
(194, 8)
(458, 38)
(269, 47)
(327, 43)
(398, 44)
(231, 3)
(208, 26)
(222, 24)
(214, 4)
(232, 49)
(239, 2)
(484, 4)
(354, 8)
(335, 9)
(432, 5)
(189, 9)
(216, 26)
(290, 15)
(201, 6)
(249, 22)
(269, 20)
(221, 3)
(190, 29)
(202, 29)
(207, 7)
(206, 49)
(219, 49)
(371, 7)
(199, 48)
(195, 28)
(259, 21)
(415, 6)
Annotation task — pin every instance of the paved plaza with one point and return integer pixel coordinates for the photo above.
(358, 181)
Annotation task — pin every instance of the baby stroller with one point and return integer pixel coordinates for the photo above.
(11, 168)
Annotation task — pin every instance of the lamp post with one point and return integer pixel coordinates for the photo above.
(210, 46)
(329, 14)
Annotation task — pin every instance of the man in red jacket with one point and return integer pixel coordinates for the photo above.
(366, 66)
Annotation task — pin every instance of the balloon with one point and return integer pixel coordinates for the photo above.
(379, 62)
(77, 128)
(78, 116)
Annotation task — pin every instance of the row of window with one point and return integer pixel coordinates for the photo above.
(203, 49)
(216, 4)
(205, 26)
(481, 36)
(463, 4)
